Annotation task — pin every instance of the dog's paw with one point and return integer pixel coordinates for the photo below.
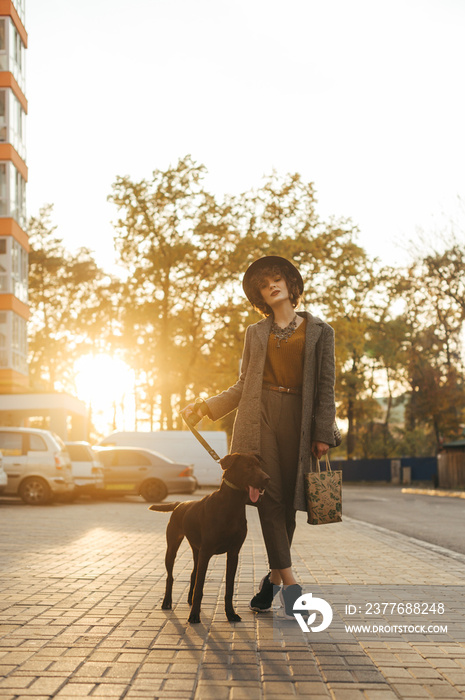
(166, 605)
(194, 618)
(233, 617)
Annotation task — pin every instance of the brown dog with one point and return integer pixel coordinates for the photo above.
(213, 525)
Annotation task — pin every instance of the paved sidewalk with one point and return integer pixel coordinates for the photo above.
(81, 588)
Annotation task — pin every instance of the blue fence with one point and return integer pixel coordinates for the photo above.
(423, 468)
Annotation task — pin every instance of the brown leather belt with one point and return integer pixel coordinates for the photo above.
(282, 389)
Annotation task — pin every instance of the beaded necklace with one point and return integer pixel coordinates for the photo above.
(283, 333)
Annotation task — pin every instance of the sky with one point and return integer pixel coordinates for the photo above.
(363, 98)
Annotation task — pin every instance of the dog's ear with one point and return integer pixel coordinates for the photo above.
(229, 460)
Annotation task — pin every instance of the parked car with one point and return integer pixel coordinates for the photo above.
(87, 469)
(36, 464)
(133, 471)
(3, 476)
(177, 444)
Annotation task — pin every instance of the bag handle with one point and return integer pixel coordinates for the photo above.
(328, 465)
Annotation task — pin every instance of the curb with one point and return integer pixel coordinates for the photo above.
(436, 492)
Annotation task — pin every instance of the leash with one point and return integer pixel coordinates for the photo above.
(191, 423)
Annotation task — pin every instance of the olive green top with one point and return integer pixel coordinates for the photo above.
(284, 366)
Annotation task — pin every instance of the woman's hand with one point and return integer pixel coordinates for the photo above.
(319, 449)
(192, 409)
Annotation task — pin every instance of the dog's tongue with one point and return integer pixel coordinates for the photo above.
(253, 494)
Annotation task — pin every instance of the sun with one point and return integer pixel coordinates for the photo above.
(106, 385)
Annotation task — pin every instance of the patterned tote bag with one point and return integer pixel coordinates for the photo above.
(323, 491)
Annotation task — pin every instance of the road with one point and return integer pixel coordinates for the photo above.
(440, 521)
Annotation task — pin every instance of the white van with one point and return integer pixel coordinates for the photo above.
(180, 446)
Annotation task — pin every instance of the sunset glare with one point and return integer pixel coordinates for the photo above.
(106, 385)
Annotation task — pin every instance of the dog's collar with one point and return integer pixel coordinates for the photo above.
(232, 486)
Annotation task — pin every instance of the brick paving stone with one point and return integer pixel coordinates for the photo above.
(395, 673)
(148, 685)
(454, 678)
(76, 690)
(64, 665)
(246, 676)
(348, 694)
(152, 668)
(109, 691)
(217, 693)
(425, 673)
(443, 691)
(92, 668)
(219, 673)
(275, 668)
(334, 675)
(15, 681)
(46, 685)
(365, 676)
(359, 661)
(251, 693)
(278, 688)
(406, 690)
(312, 687)
(176, 684)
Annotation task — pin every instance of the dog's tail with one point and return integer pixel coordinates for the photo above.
(164, 507)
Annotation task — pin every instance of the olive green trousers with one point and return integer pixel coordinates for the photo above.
(281, 416)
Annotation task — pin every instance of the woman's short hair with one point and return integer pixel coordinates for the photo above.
(259, 277)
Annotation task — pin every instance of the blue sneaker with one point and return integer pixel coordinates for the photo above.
(289, 595)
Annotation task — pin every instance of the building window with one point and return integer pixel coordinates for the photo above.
(3, 44)
(19, 271)
(3, 339)
(17, 196)
(12, 51)
(13, 268)
(15, 123)
(12, 121)
(12, 193)
(4, 209)
(4, 265)
(3, 119)
(13, 342)
(19, 344)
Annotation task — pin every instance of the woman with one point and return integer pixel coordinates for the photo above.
(280, 415)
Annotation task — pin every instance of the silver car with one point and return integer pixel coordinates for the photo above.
(36, 464)
(137, 471)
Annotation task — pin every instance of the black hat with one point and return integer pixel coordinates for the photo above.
(269, 261)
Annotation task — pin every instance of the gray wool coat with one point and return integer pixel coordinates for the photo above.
(245, 395)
